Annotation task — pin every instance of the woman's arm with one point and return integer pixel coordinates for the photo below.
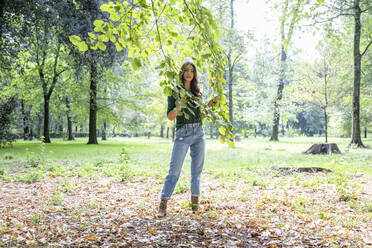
(210, 104)
(213, 101)
(172, 114)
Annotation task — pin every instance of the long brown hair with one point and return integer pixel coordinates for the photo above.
(194, 85)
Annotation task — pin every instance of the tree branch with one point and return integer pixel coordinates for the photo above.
(332, 18)
(236, 60)
(157, 28)
(365, 10)
(55, 76)
(197, 23)
(365, 50)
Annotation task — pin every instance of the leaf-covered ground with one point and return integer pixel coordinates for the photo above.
(296, 210)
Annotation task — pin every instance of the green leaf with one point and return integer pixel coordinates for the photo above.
(105, 7)
(118, 47)
(183, 103)
(137, 62)
(105, 27)
(83, 46)
(221, 138)
(103, 38)
(115, 17)
(174, 34)
(169, 75)
(143, 4)
(167, 91)
(231, 143)
(113, 38)
(75, 39)
(206, 56)
(222, 130)
(320, 1)
(101, 46)
(98, 23)
(92, 35)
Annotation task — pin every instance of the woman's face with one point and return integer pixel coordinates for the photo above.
(188, 73)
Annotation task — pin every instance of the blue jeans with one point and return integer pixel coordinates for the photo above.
(189, 135)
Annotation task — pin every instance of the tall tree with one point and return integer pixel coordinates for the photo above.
(233, 43)
(42, 29)
(318, 82)
(355, 9)
(83, 17)
(230, 65)
(356, 134)
(290, 16)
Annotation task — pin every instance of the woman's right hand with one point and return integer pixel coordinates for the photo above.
(179, 107)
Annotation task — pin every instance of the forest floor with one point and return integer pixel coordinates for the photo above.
(55, 202)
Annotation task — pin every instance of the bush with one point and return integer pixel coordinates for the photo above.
(125, 172)
(31, 177)
(7, 108)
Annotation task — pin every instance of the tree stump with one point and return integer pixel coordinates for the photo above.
(288, 170)
(324, 148)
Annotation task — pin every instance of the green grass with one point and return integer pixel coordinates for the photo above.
(154, 154)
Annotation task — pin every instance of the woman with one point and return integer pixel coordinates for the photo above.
(189, 134)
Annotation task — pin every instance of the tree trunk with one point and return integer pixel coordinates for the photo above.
(167, 133)
(365, 132)
(25, 121)
(39, 122)
(69, 128)
(69, 120)
(55, 124)
(326, 125)
(46, 120)
(104, 137)
(355, 136)
(173, 132)
(279, 95)
(2, 8)
(290, 13)
(230, 82)
(48, 92)
(61, 127)
(113, 132)
(93, 105)
(162, 130)
(30, 137)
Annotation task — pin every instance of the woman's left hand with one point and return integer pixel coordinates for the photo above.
(213, 101)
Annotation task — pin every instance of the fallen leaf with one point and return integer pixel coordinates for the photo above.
(92, 238)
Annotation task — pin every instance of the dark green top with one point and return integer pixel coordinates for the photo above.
(180, 119)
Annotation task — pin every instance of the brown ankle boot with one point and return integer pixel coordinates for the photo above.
(194, 203)
(163, 208)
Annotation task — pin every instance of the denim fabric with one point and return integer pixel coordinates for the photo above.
(189, 135)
